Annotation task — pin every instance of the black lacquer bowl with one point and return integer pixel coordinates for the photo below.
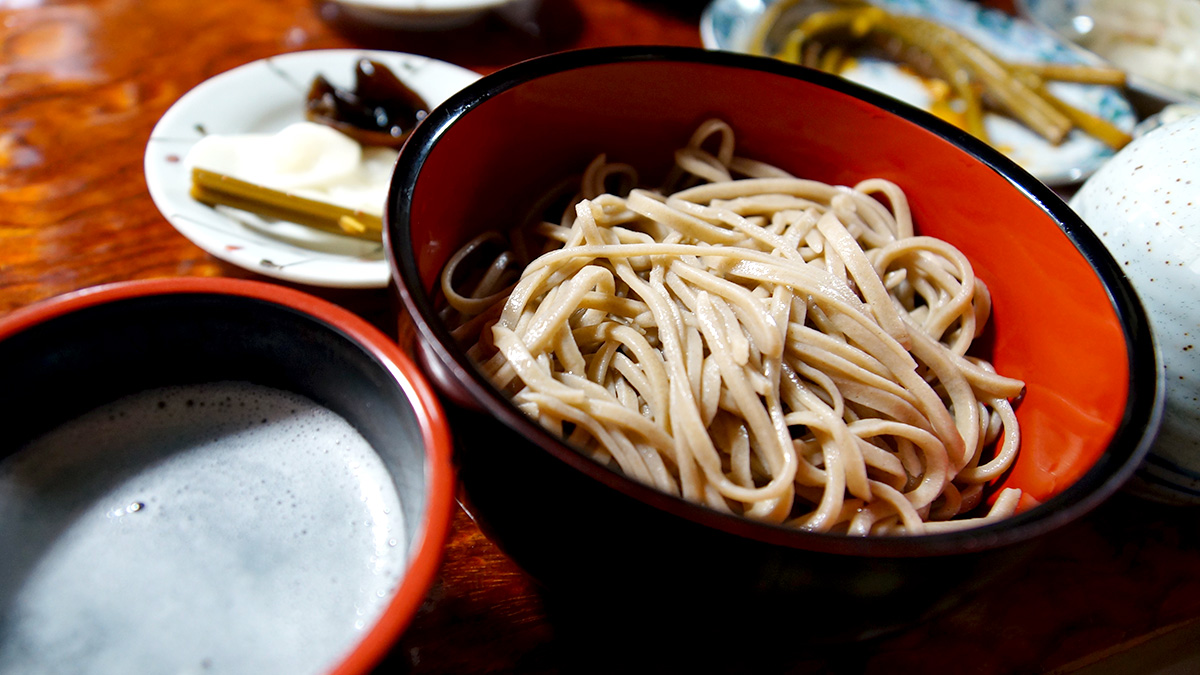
(1065, 320)
(74, 354)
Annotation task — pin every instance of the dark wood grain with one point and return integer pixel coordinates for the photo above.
(83, 83)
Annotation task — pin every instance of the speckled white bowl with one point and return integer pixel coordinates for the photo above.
(1145, 205)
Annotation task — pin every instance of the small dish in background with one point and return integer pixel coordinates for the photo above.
(427, 15)
(1077, 23)
(729, 24)
(264, 97)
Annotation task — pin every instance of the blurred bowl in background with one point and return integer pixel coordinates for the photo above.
(426, 15)
(1065, 320)
(1171, 113)
(212, 473)
(1145, 206)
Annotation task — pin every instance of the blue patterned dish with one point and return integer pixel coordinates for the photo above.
(728, 25)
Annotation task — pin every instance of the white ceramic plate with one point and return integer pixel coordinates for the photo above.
(264, 97)
(729, 24)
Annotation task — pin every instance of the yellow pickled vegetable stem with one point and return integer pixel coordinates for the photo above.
(1007, 92)
(775, 13)
(1073, 72)
(824, 38)
(850, 23)
(1094, 126)
(958, 76)
(217, 189)
(832, 59)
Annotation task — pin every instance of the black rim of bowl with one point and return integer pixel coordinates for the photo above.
(1128, 446)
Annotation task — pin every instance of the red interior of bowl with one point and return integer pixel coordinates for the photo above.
(1053, 324)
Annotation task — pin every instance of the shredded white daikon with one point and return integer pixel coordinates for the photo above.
(1155, 39)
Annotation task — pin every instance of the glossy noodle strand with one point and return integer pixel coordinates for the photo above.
(765, 345)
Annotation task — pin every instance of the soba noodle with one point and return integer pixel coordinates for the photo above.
(765, 345)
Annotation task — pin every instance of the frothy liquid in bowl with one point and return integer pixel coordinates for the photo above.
(201, 529)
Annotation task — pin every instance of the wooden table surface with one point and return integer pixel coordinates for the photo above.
(83, 83)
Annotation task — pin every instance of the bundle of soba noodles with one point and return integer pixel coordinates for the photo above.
(762, 344)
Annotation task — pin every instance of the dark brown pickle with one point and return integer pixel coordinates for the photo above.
(380, 110)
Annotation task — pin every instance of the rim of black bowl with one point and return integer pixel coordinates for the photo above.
(1128, 446)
